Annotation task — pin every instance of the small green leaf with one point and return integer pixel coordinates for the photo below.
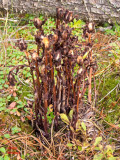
(110, 55)
(6, 135)
(78, 126)
(6, 86)
(64, 118)
(80, 148)
(71, 114)
(97, 141)
(69, 144)
(1, 87)
(25, 109)
(86, 54)
(2, 108)
(6, 157)
(2, 104)
(1, 158)
(2, 149)
(15, 130)
(98, 157)
(83, 126)
(112, 158)
(14, 110)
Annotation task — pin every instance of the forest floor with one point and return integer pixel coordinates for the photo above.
(17, 137)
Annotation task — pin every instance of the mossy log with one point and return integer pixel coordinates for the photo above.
(97, 10)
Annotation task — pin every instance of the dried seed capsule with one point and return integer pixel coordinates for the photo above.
(46, 42)
(22, 45)
(55, 37)
(60, 13)
(38, 23)
(80, 60)
(38, 37)
(71, 53)
(43, 70)
(68, 16)
(11, 79)
(64, 34)
(35, 56)
(86, 62)
(58, 56)
(90, 27)
(80, 71)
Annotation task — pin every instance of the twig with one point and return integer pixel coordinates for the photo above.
(26, 98)
(12, 20)
(18, 30)
(118, 85)
(15, 40)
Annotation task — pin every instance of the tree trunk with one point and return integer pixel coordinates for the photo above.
(97, 10)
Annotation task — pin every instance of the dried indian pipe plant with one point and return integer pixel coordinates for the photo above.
(23, 47)
(62, 70)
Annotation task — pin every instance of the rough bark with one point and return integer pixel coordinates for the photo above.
(98, 10)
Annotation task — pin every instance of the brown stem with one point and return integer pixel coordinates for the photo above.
(57, 23)
(38, 81)
(31, 71)
(68, 83)
(54, 89)
(71, 81)
(59, 91)
(46, 92)
(90, 79)
(64, 93)
(38, 47)
(90, 74)
(78, 99)
(95, 90)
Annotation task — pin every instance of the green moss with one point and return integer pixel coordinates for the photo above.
(109, 104)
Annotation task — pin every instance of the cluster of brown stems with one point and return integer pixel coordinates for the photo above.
(61, 69)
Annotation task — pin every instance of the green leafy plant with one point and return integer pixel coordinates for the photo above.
(15, 129)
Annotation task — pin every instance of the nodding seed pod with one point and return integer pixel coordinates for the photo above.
(60, 13)
(68, 16)
(43, 70)
(39, 36)
(35, 56)
(55, 37)
(58, 56)
(80, 71)
(90, 26)
(45, 41)
(71, 53)
(86, 62)
(22, 45)
(64, 34)
(80, 60)
(38, 23)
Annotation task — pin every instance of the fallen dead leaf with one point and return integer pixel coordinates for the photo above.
(12, 105)
(29, 117)
(14, 94)
(18, 157)
(22, 119)
(18, 113)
